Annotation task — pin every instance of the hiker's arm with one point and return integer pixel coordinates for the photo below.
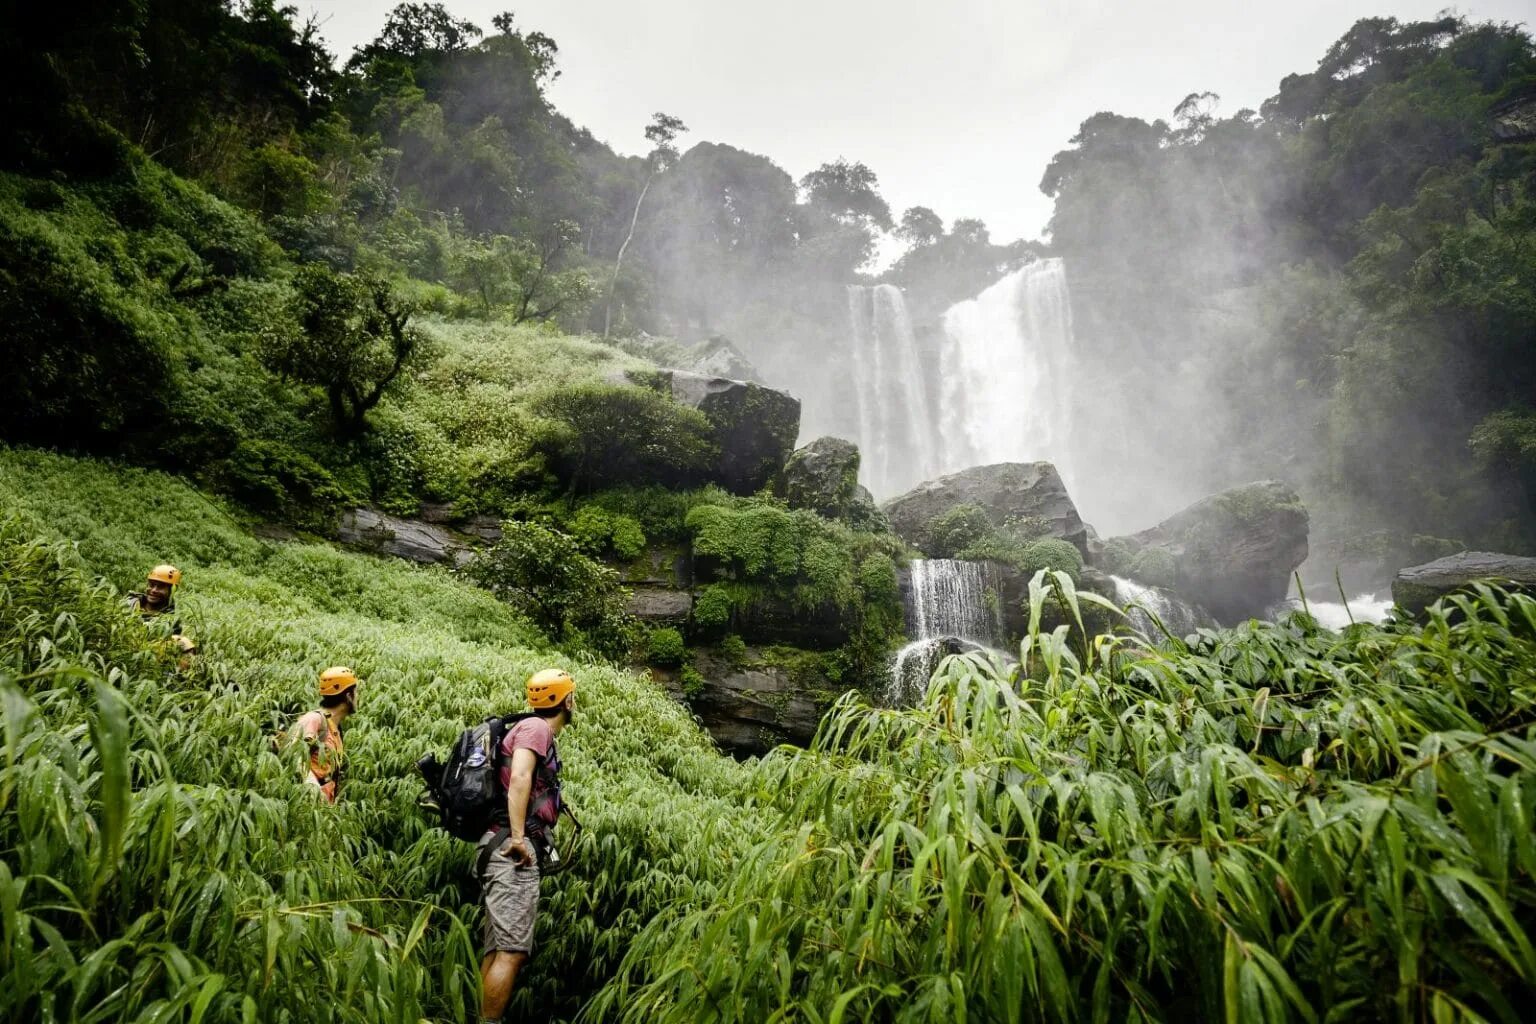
(519, 787)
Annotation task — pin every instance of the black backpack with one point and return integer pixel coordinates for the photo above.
(465, 793)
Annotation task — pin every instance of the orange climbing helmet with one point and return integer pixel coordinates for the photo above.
(167, 574)
(548, 687)
(337, 679)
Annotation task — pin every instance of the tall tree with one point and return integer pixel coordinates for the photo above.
(662, 133)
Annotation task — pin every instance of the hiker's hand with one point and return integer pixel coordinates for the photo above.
(516, 847)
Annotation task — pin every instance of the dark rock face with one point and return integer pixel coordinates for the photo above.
(754, 708)
(660, 606)
(1005, 490)
(1420, 586)
(755, 426)
(822, 476)
(1233, 552)
(403, 538)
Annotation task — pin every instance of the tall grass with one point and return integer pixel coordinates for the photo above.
(1276, 823)
(158, 861)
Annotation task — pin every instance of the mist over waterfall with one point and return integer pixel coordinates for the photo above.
(897, 440)
(1006, 366)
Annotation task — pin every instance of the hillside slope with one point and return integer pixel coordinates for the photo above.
(235, 893)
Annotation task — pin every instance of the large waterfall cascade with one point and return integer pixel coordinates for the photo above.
(1001, 388)
(950, 605)
(898, 442)
(1007, 367)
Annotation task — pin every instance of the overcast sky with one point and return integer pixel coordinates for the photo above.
(956, 105)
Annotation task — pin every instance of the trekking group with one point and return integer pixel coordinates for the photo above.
(499, 788)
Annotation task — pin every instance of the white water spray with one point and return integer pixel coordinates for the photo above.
(1143, 603)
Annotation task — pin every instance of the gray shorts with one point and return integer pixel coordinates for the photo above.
(511, 897)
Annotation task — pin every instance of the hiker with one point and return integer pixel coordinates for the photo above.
(512, 853)
(321, 729)
(158, 596)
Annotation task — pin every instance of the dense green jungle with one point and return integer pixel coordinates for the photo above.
(256, 296)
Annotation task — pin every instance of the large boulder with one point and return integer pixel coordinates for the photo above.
(403, 538)
(1007, 490)
(755, 426)
(751, 706)
(717, 357)
(822, 476)
(1232, 553)
(1419, 586)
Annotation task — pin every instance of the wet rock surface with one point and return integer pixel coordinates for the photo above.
(1006, 490)
(1417, 587)
(1233, 553)
(413, 539)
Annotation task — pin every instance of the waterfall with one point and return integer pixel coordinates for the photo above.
(896, 426)
(1336, 616)
(951, 606)
(1005, 369)
(1176, 616)
(1008, 370)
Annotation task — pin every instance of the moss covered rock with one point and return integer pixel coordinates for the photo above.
(822, 476)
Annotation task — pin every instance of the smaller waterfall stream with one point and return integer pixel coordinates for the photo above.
(1176, 616)
(951, 607)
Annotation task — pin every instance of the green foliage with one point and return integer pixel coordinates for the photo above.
(601, 532)
(734, 649)
(199, 872)
(1116, 557)
(1154, 566)
(1050, 553)
(351, 338)
(280, 481)
(712, 608)
(1135, 833)
(620, 435)
(956, 529)
(664, 646)
(693, 683)
(572, 597)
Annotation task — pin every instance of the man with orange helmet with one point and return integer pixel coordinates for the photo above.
(158, 596)
(321, 729)
(512, 853)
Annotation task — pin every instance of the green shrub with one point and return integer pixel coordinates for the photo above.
(572, 597)
(693, 683)
(956, 529)
(620, 435)
(600, 532)
(734, 650)
(1050, 553)
(1155, 567)
(1116, 557)
(277, 480)
(665, 647)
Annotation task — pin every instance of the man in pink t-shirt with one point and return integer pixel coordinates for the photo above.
(509, 879)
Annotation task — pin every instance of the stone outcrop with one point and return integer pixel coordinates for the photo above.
(1233, 553)
(750, 707)
(659, 606)
(754, 426)
(1007, 490)
(411, 539)
(822, 476)
(717, 357)
(1419, 586)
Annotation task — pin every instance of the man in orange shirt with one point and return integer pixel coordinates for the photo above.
(321, 729)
